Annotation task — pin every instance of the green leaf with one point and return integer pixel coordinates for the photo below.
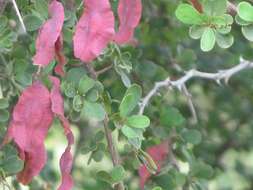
(32, 22)
(127, 105)
(224, 30)
(69, 89)
(85, 150)
(93, 110)
(10, 162)
(170, 117)
(4, 115)
(3, 22)
(148, 161)
(20, 66)
(224, 41)
(74, 75)
(130, 100)
(135, 142)
(7, 38)
(77, 103)
(92, 95)
(207, 41)
(99, 87)
(118, 173)
(42, 8)
(97, 155)
(157, 188)
(138, 121)
(125, 79)
(196, 32)
(70, 18)
(245, 11)
(215, 7)
(107, 102)
(180, 178)
(229, 19)
(135, 90)
(241, 22)
(4, 103)
(201, 170)
(85, 84)
(187, 14)
(75, 116)
(104, 176)
(101, 146)
(192, 136)
(130, 132)
(99, 136)
(93, 145)
(248, 32)
(222, 21)
(12, 165)
(67, 35)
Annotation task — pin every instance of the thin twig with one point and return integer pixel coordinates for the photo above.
(197, 5)
(218, 77)
(105, 69)
(3, 60)
(187, 94)
(1, 92)
(115, 157)
(19, 15)
(91, 70)
(70, 5)
(232, 9)
(79, 143)
(190, 104)
(112, 149)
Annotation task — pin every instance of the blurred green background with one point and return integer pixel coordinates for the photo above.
(216, 153)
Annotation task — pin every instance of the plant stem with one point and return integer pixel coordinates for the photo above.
(197, 5)
(19, 15)
(112, 149)
(193, 73)
(70, 4)
(103, 70)
(1, 92)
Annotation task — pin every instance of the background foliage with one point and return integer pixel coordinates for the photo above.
(214, 153)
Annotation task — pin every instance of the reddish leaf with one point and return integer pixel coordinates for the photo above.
(48, 35)
(66, 165)
(197, 5)
(129, 12)
(27, 130)
(159, 154)
(94, 30)
(66, 158)
(31, 120)
(59, 69)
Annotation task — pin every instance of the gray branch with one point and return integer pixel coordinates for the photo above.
(224, 75)
(19, 15)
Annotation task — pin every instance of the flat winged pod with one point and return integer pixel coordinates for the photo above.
(129, 12)
(94, 30)
(49, 40)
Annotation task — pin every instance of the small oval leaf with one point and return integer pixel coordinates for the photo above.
(207, 41)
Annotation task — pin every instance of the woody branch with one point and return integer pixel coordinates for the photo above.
(224, 75)
(19, 15)
(108, 133)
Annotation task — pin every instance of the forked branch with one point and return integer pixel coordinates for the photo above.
(224, 75)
